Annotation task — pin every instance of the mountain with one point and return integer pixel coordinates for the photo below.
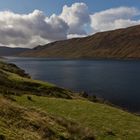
(120, 43)
(7, 51)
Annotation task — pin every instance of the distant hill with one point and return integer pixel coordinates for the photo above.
(7, 51)
(121, 43)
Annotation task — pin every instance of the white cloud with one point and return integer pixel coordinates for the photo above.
(76, 16)
(114, 18)
(75, 36)
(30, 30)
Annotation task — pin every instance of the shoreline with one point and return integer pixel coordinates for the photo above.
(99, 99)
(79, 58)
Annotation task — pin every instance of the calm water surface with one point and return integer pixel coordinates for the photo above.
(115, 80)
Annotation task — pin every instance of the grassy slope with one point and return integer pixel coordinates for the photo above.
(107, 123)
(15, 81)
(17, 118)
(17, 122)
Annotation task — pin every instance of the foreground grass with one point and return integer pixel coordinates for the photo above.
(107, 123)
(22, 123)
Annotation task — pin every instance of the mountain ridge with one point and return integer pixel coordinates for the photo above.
(120, 43)
(7, 51)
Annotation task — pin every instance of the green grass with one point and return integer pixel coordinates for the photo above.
(22, 123)
(107, 123)
(13, 69)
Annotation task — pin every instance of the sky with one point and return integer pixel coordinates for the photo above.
(29, 23)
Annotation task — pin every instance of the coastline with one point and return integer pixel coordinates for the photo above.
(91, 114)
(97, 99)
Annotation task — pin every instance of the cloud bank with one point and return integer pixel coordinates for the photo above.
(114, 18)
(76, 17)
(30, 30)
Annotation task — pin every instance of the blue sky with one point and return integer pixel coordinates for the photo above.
(29, 23)
(55, 6)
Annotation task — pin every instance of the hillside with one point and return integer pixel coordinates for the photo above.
(22, 123)
(7, 51)
(106, 123)
(121, 43)
(14, 81)
(35, 110)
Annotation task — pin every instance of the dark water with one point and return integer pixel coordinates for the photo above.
(116, 81)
